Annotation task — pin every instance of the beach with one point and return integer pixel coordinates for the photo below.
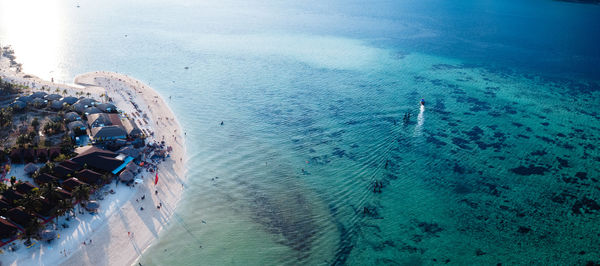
(130, 220)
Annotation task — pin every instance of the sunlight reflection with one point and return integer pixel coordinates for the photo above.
(35, 29)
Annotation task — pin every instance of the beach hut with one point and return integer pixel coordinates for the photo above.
(39, 103)
(63, 194)
(91, 110)
(24, 187)
(25, 99)
(19, 216)
(107, 107)
(11, 196)
(53, 97)
(71, 184)
(87, 102)
(30, 168)
(38, 95)
(126, 176)
(92, 206)
(133, 131)
(79, 108)
(48, 234)
(72, 116)
(7, 228)
(108, 133)
(77, 127)
(71, 165)
(18, 105)
(45, 178)
(62, 172)
(70, 100)
(56, 105)
(4, 206)
(89, 177)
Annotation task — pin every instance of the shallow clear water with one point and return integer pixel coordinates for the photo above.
(501, 166)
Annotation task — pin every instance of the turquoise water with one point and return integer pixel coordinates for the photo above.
(501, 166)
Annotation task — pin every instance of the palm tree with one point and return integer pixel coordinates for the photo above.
(88, 94)
(62, 208)
(81, 194)
(32, 229)
(31, 203)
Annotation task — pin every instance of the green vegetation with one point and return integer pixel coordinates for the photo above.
(6, 117)
(53, 128)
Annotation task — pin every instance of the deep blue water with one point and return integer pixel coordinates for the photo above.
(501, 166)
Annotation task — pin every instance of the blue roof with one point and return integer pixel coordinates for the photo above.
(125, 162)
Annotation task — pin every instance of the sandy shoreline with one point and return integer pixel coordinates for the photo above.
(121, 231)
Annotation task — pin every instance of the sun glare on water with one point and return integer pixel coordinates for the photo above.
(35, 29)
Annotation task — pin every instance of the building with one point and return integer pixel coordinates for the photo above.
(87, 102)
(24, 187)
(90, 177)
(25, 99)
(71, 183)
(53, 97)
(38, 94)
(107, 133)
(7, 228)
(101, 161)
(18, 105)
(19, 216)
(77, 128)
(79, 108)
(91, 110)
(133, 131)
(56, 105)
(45, 178)
(70, 100)
(107, 107)
(39, 103)
(72, 116)
(101, 120)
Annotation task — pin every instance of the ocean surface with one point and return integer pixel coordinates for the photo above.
(315, 164)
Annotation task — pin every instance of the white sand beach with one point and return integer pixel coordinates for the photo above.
(121, 230)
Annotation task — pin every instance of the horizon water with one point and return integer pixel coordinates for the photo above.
(500, 166)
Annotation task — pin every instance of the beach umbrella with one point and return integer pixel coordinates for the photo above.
(48, 234)
(92, 205)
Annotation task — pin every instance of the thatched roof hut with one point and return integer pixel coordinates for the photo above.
(7, 228)
(30, 168)
(18, 105)
(19, 216)
(126, 176)
(72, 183)
(53, 97)
(70, 100)
(24, 187)
(72, 116)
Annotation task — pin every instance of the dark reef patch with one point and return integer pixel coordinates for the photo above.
(530, 170)
(562, 163)
(430, 228)
(462, 143)
(585, 205)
